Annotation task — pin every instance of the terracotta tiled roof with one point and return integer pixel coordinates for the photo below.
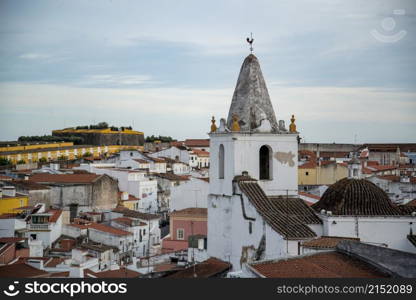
(296, 208)
(200, 153)
(196, 142)
(171, 176)
(29, 185)
(321, 265)
(98, 247)
(334, 154)
(411, 203)
(135, 214)
(309, 195)
(131, 197)
(327, 162)
(21, 270)
(154, 159)
(206, 179)
(5, 178)
(53, 262)
(326, 242)
(120, 273)
(80, 226)
(382, 167)
(190, 212)
(59, 274)
(284, 219)
(109, 229)
(125, 221)
(210, 268)
(11, 239)
(56, 213)
(356, 197)
(65, 178)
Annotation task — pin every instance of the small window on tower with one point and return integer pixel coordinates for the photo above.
(221, 162)
(265, 163)
(250, 228)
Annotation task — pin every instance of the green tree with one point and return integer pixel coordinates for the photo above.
(21, 162)
(87, 154)
(4, 161)
(43, 159)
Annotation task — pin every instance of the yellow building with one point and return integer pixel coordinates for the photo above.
(58, 151)
(327, 172)
(10, 201)
(129, 201)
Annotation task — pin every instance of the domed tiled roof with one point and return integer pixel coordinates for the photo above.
(357, 197)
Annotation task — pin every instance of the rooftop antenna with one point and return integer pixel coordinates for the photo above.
(250, 40)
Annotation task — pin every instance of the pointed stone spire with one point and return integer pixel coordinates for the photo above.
(251, 101)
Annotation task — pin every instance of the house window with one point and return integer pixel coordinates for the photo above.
(221, 162)
(250, 228)
(265, 162)
(180, 234)
(306, 173)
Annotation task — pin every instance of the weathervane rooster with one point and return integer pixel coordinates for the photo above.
(250, 40)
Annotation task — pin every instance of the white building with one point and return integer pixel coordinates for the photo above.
(134, 159)
(135, 182)
(173, 153)
(111, 236)
(150, 230)
(45, 227)
(191, 193)
(139, 230)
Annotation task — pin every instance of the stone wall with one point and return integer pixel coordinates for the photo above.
(106, 139)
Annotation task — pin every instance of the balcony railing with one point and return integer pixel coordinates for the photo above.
(39, 226)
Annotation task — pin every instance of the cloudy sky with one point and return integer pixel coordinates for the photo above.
(346, 69)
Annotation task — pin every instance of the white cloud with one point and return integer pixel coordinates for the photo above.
(111, 79)
(34, 56)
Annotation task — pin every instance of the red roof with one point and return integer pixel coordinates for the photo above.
(190, 212)
(326, 242)
(64, 178)
(21, 270)
(131, 197)
(309, 195)
(209, 268)
(126, 221)
(6, 178)
(109, 229)
(321, 265)
(197, 143)
(201, 153)
(56, 213)
(120, 273)
(11, 239)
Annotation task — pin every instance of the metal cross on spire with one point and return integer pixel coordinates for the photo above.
(250, 40)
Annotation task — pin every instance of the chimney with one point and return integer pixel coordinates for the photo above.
(124, 196)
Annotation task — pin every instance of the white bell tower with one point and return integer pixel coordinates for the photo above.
(251, 140)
